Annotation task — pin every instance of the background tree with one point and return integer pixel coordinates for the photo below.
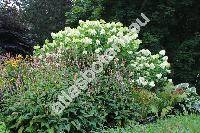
(13, 34)
(44, 16)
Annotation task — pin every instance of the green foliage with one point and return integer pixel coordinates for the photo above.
(158, 104)
(106, 103)
(191, 100)
(3, 128)
(84, 10)
(186, 62)
(29, 108)
(176, 124)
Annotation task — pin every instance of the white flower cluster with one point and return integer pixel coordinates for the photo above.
(90, 37)
(148, 70)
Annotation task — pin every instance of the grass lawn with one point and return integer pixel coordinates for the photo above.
(178, 124)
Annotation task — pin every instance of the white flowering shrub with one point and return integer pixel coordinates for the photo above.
(92, 38)
(132, 86)
(147, 70)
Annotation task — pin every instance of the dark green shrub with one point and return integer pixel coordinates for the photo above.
(104, 104)
(187, 62)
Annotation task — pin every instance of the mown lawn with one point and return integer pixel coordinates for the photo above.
(178, 124)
